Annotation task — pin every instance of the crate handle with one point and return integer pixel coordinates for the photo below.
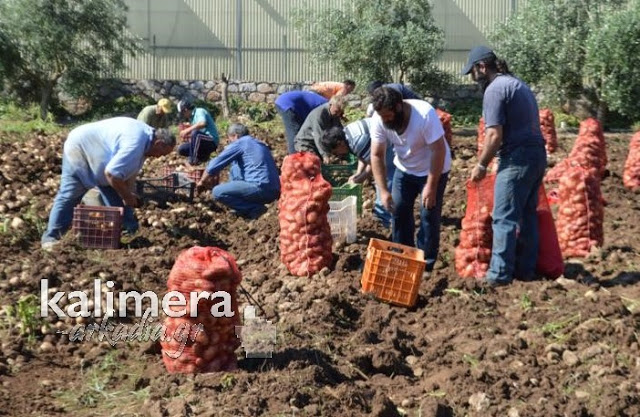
(395, 249)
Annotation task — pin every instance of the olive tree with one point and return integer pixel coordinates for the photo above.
(388, 40)
(577, 48)
(61, 42)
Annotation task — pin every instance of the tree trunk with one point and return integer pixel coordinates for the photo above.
(225, 96)
(602, 112)
(45, 98)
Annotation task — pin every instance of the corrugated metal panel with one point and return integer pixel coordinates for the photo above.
(199, 39)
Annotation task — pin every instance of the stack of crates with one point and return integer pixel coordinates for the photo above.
(346, 190)
(194, 174)
(342, 219)
(98, 227)
(338, 174)
(172, 187)
(393, 272)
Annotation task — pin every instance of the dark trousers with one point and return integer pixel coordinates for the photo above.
(198, 149)
(292, 125)
(406, 188)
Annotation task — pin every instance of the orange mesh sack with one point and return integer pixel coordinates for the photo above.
(589, 151)
(445, 119)
(473, 254)
(631, 176)
(548, 129)
(200, 342)
(305, 233)
(550, 263)
(580, 212)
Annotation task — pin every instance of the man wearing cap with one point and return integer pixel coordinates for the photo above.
(294, 107)
(157, 115)
(254, 179)
(201, 135)
(107, 154)
(422, 161)
(512, 132)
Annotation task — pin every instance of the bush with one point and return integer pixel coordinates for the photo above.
(465, 113)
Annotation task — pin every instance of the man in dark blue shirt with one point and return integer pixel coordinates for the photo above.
(253, 178)
(512, 132)
(294, 107)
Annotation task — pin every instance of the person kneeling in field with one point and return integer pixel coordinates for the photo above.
(107, 154)
(355, 139)
(254, 179)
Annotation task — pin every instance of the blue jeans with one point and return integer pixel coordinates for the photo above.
(246, 198)
(70, 195)
(292, 125)
(406, 188)
(379, 212)
(198, 149)
(515, 200)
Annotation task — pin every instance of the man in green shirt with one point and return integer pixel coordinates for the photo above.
(157, 115)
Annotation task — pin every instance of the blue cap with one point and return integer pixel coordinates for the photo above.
(476, 55)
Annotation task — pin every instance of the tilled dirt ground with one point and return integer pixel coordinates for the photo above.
(568, 347)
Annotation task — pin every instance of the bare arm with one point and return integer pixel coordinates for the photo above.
(124, 189)
(492, 142)
(429, 193)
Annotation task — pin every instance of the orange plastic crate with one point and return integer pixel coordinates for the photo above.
(392, 272)
(98, 227)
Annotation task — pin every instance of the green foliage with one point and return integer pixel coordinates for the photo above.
(256, 112)
(388, 40)
(592, 50)
(122, 106)
(67, 43)
(613, 59)
(568, 119)
(465, 113)
(26, 313)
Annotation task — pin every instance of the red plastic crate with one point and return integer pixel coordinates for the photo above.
(98, 227)
(194, 174)
(392, 272)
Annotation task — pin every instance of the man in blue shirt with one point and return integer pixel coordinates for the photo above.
(254, 179)
(512, 131)
(294, 107)
(107, 154)
(201, 137)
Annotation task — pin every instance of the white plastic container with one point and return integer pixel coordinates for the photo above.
(342, 218)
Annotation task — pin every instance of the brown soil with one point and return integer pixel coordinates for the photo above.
(548, 348)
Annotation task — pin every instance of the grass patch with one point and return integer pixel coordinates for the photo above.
(556, 329)
(106, 386)
(25, 314)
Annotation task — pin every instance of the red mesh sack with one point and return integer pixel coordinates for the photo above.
(550, 263)
(445, 119)
(212, 348)
(305, 233)
(580, 212)
(548, 129)
(473, 253)
(589, 151)
(631, 176)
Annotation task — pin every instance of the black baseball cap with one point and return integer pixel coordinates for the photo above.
(476, 55)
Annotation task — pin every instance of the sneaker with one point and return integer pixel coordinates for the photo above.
(494, 283)
(48, 246)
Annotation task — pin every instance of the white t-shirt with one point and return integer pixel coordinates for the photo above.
(412, 148)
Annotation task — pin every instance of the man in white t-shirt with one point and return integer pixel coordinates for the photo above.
(422, 162)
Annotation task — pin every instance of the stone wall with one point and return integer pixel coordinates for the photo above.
(259, 92)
